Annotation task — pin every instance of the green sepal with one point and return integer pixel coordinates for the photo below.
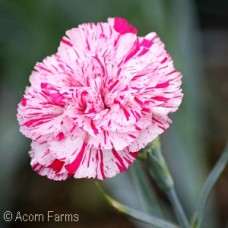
(151, 155)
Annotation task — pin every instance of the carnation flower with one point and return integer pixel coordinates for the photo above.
(101, 98)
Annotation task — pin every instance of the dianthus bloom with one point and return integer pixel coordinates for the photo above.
(101, 98)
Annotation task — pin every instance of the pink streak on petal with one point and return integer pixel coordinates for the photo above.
(35, 122)
(73, 167)
(126, 113)
(54, 94)
(113, 85)
(102, 165)
(23, 101)
(121, 25)
(146, 43)
(60, 136)
(163, 85)
(134, 154)
(105, 137)
(159, 98)
(94, 127)
(119, 162)
(43, 68)
(56, 165)
(34, 167)
(132, 136)
(67, 42)
(138, 101)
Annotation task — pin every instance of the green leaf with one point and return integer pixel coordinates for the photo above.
(209, 184)
(146, 195)
(135, 214)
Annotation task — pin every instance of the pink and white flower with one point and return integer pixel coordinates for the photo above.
(101, 98)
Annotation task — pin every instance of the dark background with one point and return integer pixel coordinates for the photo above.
(195, 34)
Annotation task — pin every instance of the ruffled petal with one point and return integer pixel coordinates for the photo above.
(45, 164)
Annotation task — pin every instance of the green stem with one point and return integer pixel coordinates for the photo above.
(178, 210)
(152, 156)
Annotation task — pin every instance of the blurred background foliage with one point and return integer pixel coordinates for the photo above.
(195, 34)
